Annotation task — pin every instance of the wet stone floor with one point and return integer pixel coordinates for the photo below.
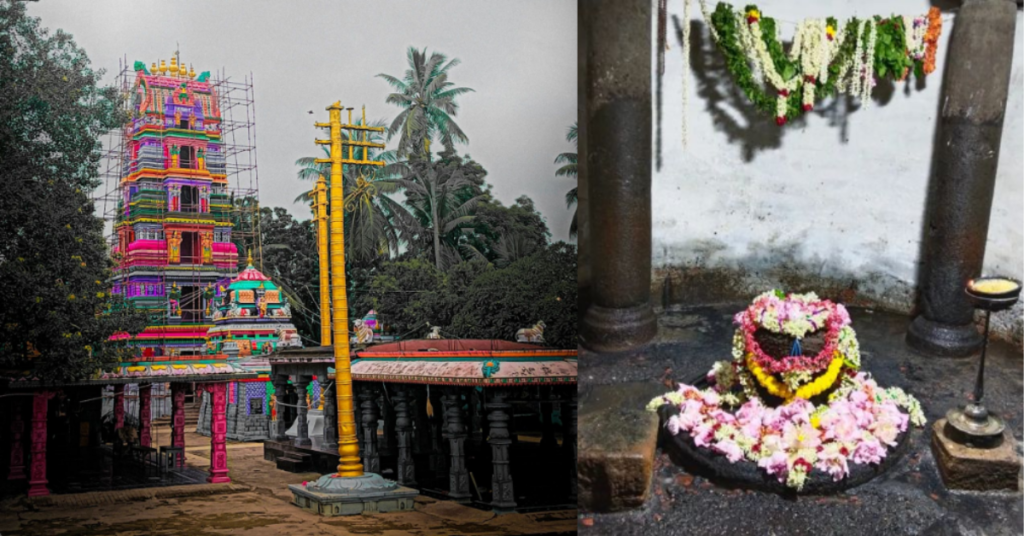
(908, 499)
(257, 503)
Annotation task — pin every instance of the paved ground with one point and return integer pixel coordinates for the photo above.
(910, 499)
(256, 503)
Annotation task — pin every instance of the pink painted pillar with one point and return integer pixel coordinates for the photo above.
(218, 434)
(145, 414)
(178, 418)
(37, 479)
(17, 449)
(118, 406)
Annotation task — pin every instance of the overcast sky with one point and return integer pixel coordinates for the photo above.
(520, 57)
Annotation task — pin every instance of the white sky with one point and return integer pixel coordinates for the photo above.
(520, 57)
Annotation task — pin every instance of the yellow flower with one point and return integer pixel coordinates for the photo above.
(71, 297)
(99, 294)
(830, 31)
(815, 421)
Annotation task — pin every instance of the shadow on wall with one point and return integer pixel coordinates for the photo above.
(733, 113)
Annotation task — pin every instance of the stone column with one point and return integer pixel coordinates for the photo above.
(977, 74)
(368, 403)
(218, 434)
(118, 406)
(178, 419)
(17, 471)
(502, 495)
(618, 127)
(37, 473)
(330, 414)
(406, 468)
(438, 436)
(280, 393)
(458, 476)
(476, 436)
(569, 438)
(145, 413)
(387, 440)
(302, 424)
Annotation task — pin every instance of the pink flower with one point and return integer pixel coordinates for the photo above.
(672, 425)
(690, 414)
(832, 461)
(750, 417)
(796, 411)
(776, 464)
(711, 398)
(730, 449)
(799, 436)
(844, 315)
(868, 451)
(704, 434)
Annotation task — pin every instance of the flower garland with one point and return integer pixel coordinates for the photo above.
(823, 59)
(806, 391)
(792, 440)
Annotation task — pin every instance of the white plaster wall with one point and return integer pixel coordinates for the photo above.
(838, 196)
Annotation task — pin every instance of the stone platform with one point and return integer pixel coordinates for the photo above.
(369, 494)
(976, 469)
(908, 499)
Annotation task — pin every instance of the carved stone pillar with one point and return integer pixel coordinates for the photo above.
(145, 413)
(569, 438)
(281, 394)
(17, 448)
(37, 473)
(118, 406)
(368, 403)
(502, 496)
(178, 420)
(330, 413)
(458, 476)
(302, 423)
(387, 440)
(218, 434)
(406, 467)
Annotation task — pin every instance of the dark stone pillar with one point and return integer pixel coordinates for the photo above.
(281, 394)
(618, 117)
(476, 436)
(458, 476)
(406, 468)
(302, 424)
(421, 434)
(978, 63)
(502, 496)
(330, 413)
(368, 403)
(569, 439)
(387, 413)
(438, 436)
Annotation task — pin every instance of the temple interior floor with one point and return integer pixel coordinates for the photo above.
(257, 503)
(909, 499)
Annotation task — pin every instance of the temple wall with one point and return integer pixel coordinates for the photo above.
(831, 203)
(241, 426)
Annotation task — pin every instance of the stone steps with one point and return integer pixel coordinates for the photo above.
(295, 462)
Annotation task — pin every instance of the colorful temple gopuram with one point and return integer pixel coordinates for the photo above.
(174, 249)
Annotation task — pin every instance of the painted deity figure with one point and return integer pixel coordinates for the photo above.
(174, 299)
(208, 294)
(207, 241)
(201, 160)
(174, 247)
(364, 333)
(203, 195)
(175, 198)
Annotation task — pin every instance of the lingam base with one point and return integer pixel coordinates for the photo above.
(333, 496)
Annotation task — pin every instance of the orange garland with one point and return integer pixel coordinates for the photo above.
(931, 37)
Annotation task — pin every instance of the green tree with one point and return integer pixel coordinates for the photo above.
(428, 104)
(408, 295)
(539, 287)
(58, 315)
(569, 169)
(504, 234)
(291, 260)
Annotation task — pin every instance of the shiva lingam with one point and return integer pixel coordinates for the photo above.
(973, 425)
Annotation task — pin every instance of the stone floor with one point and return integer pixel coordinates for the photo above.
(256, 503)
(910, 499)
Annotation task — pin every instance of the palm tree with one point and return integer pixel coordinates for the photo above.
(428, 102)
(569, 170)
(371, 227)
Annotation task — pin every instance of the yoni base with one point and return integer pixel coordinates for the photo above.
(370, 493)
(978, 469)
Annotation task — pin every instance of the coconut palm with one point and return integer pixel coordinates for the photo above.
(569, 169)
(428, 102)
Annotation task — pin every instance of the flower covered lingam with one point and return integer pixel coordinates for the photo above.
(792, 400)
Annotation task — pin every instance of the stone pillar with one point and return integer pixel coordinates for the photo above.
(280, 393)
(178, 419)
(330, 414)
(368, 403)
(618, 121)
(476, 436)
(302, 424)
(17, 471)
(438, 436)
(569, 438)
(458, 476)
(145, 413)
(118, 406)
(37, 473)
(387, 440)
(406, 468)
(502, 496)
(977, 74)
(218, 434)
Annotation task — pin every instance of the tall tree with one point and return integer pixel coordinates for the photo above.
(58, 315)
(569, 169)
(428, 104)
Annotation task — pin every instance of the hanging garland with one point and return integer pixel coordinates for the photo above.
(824, 59)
